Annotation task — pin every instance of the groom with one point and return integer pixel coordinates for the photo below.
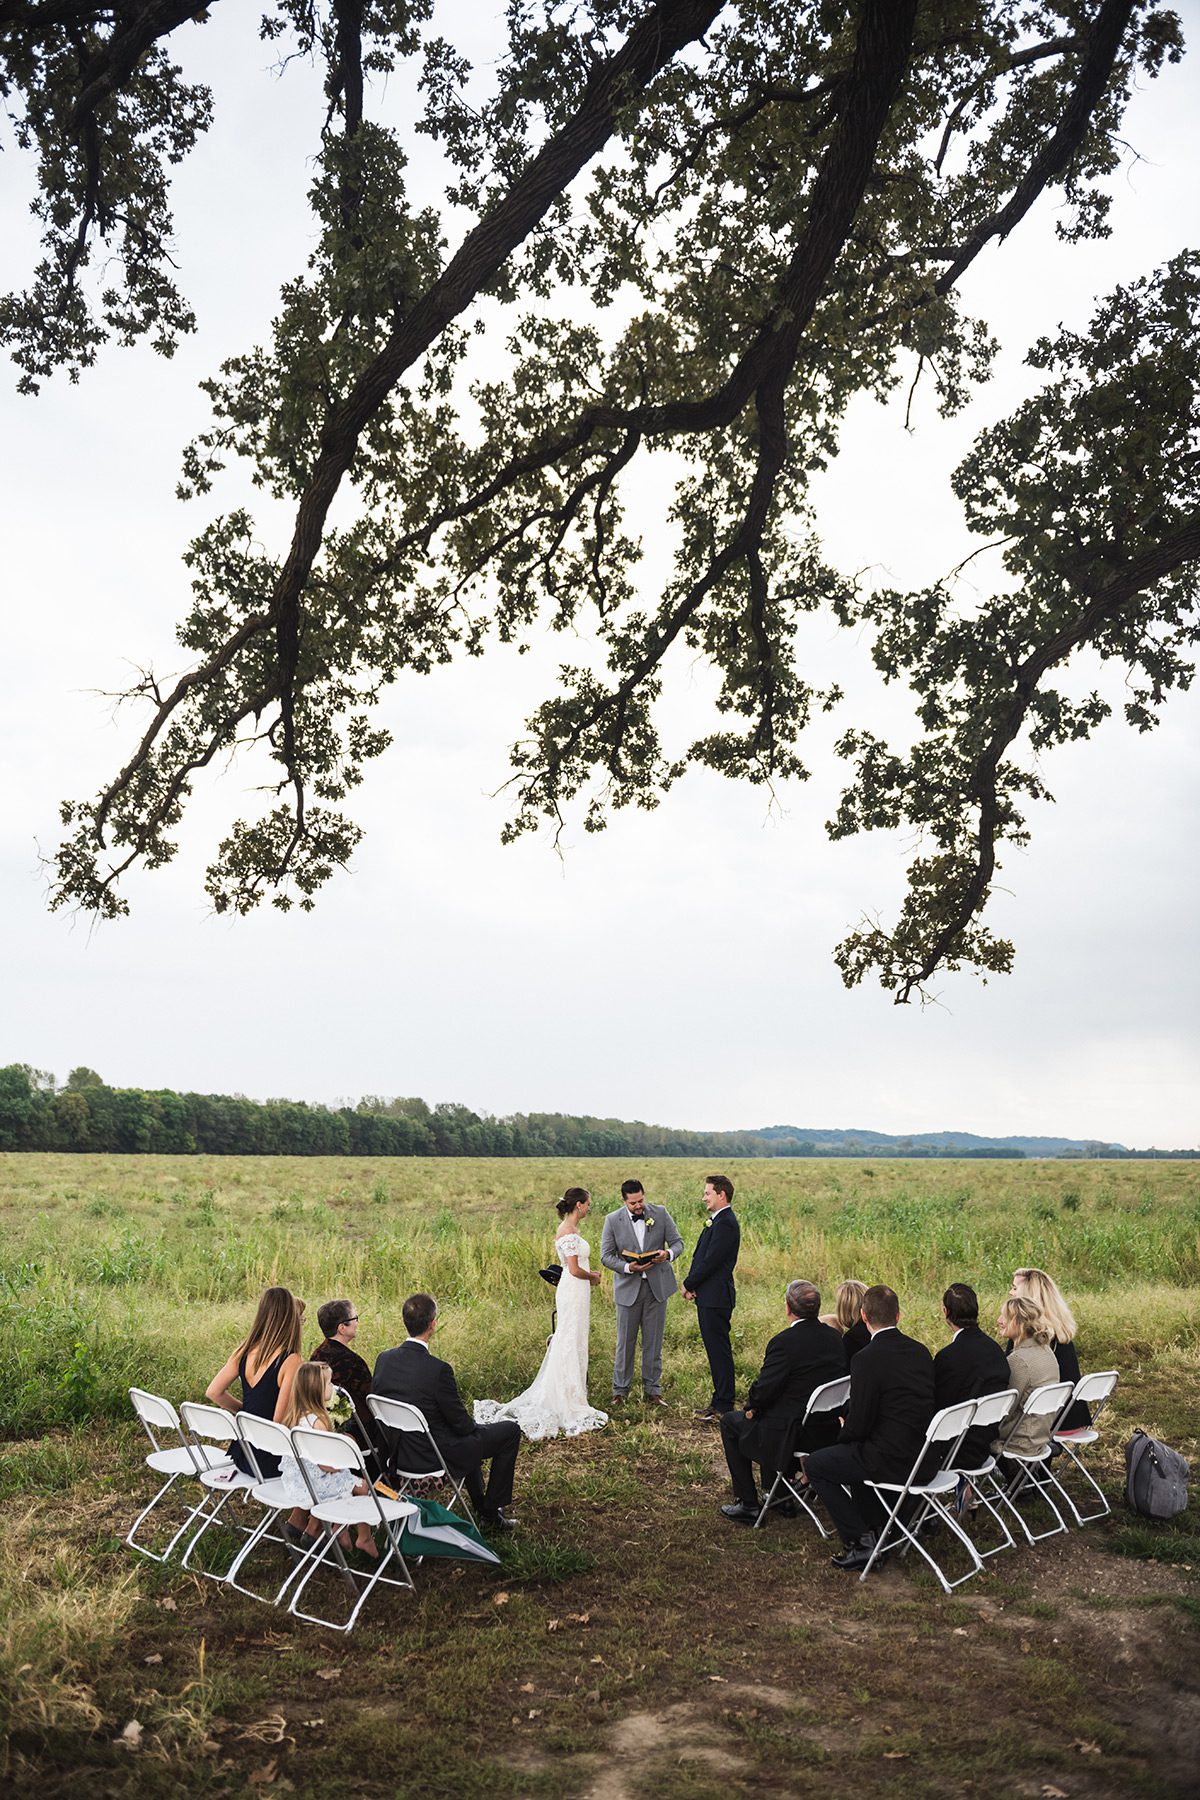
(641, 1293)
(709, 1282)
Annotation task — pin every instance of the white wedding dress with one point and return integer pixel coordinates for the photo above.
(556, 1400)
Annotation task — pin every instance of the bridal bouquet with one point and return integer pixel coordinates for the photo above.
(341, 1409)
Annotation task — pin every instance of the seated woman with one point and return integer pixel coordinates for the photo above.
(1031, 1364)
(265, 1365)
(308, 1404)
(847, 1317)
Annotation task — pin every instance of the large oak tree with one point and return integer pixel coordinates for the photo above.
(689, 226)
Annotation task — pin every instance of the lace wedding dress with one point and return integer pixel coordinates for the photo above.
(556, 1400)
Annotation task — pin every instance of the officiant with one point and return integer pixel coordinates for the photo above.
(639, 1244)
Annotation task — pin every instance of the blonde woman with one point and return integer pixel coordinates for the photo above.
(1036, 1285)
(1031, 1364)
(265, 1365)
(308, 1404)
(847, 1317)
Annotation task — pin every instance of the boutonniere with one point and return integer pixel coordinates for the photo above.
(649, 1218)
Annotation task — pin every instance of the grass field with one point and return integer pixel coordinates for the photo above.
(643, 1647)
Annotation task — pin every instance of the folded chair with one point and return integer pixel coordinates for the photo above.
(1095, 1391)
(332, 1449)
(944, 1435)
(1033, 1471)
(830, 1397)
(185, 1459)
(990, 1410)
(399, 1415)
(268, 1493)
(211, 1425)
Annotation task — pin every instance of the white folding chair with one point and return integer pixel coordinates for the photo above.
(400, 1415)
(332, 1449)
(1094, 1391)
(212, 1425)
(946, 1428)
(185, 1459)
(990, 1410)
(1032, 1472)
(830, 1397)
(263, 1435)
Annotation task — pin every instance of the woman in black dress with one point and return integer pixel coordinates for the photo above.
(1036, 1285)
(265, 1365)
(848, 1317)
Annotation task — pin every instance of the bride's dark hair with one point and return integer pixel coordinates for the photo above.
(570, 1201)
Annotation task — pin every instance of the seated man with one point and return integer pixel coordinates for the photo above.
(411, 1372)
(971, 1365)
(338, 1320)
(891, 1404)
(801, 1358)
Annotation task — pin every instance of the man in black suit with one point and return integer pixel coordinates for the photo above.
(891, 1404)
(971, 1365)
(709, 1282)
(411, 1372)
(803, 1357)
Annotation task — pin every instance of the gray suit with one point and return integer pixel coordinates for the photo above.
(641, 1299)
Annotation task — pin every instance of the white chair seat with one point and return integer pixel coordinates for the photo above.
(361, 1509)
(228, 1479)
(183, 1460)
(1084, 1435)
(273, 1494)
(940, 1484)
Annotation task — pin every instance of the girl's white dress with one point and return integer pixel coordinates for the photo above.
(334, 1484)
(556, 1400)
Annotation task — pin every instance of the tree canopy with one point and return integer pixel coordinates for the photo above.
(671, 226)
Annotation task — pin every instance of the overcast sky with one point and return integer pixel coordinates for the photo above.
(677, 967)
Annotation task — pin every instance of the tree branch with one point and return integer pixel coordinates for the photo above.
(1103, 42)
(1109, 599)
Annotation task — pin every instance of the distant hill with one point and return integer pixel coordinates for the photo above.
(837, 1142)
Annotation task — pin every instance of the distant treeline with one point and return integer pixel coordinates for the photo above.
(87, 1115)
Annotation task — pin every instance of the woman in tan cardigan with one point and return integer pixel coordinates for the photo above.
(1031, 1364)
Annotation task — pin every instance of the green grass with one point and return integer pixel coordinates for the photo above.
(103, 1257)
(1164, 1541)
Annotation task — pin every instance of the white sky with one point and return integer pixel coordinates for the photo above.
(677, 967)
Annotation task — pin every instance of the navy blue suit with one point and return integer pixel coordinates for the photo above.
(710, 1278)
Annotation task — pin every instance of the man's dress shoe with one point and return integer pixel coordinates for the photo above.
(497, 1521)
(856, 1555)
(739, 1511)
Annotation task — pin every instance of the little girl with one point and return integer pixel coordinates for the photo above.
(308, 1405)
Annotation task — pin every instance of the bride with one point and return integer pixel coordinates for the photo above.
(557, 1401)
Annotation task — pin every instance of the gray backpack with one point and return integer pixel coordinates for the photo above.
(1156, 1478)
